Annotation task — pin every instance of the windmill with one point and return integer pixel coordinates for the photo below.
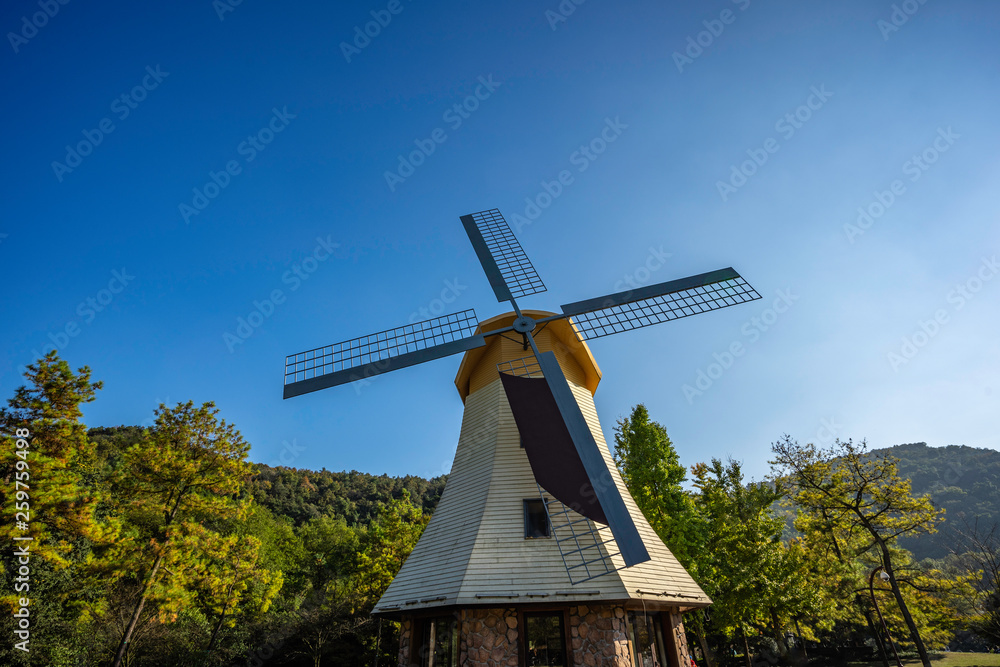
(582, 497)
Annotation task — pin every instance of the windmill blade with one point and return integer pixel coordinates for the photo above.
(508, 269)
(367, 356)
(654, 304)
(564, 456)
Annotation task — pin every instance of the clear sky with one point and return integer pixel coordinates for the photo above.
(169, 165)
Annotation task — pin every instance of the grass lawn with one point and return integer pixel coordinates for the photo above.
(948, 660)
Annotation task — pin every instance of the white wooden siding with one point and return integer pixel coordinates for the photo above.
(474, 552)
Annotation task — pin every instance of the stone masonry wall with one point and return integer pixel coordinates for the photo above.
(680, 638)
(489, 638)
(405, 636)
(598, 636)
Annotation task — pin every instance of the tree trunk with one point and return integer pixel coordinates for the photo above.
(127, 637)
(746, 647)
(860, 602)
(222, 617)
(802, 641)
(779, 636)
(887, 562)
(875, 632)
(704, 648)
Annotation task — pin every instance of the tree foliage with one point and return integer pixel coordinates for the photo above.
(964, 481)
(652, 471)
(64, 508)
(863, 495)
(50, 483)
(759, 584)
(980, 545)
(169, 538)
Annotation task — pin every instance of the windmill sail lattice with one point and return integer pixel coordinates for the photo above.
(660, 303)
(360, 358)
(565, 458)
(585, 552)
(508, 269)
(561, 449)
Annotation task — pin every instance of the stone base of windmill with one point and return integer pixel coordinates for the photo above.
(599, 635)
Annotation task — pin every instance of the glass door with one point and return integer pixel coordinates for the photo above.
(646, 635)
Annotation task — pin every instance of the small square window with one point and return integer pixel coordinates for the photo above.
(536, 521)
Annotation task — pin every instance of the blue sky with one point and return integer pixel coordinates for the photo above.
(748, 134)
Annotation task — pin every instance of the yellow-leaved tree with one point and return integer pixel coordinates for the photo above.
(53, 467)
(853, 491)
(53, 512)
(181, 480)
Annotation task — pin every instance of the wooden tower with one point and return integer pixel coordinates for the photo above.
(479, 590)
(536, 554)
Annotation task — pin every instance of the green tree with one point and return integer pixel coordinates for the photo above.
(236, 583)
(652, 471)
(385, 547)
(832, 554)
(51, 471)
(48, 463)
(387, 543)
(982, 547)
(865, 493)
(332, 551)
(653, 474)
(743, 550)
(184, 476)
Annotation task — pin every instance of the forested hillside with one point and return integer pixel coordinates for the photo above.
(356, 497)
(162, 546)
(965, 481)
(300, 495)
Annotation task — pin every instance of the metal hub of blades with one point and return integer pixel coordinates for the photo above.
(524, 324)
